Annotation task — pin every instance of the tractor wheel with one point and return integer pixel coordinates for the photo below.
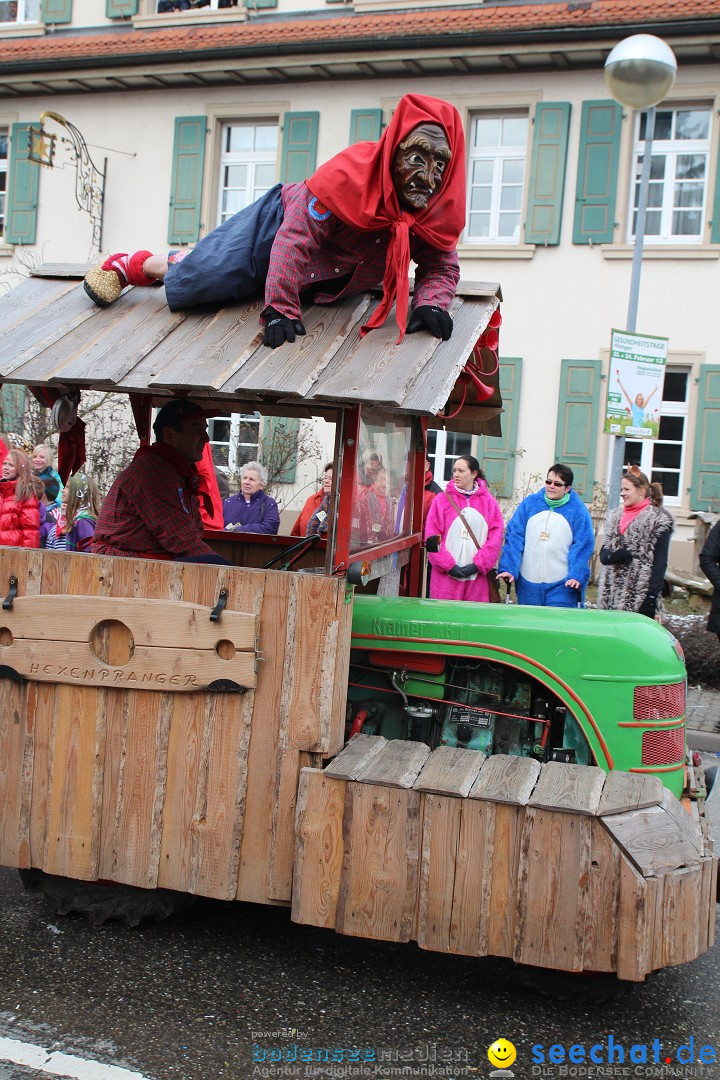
(99, 902)
(587, 987)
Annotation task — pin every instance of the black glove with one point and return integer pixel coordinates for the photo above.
(279, 329)
(649, 606)
(434, 319)
(621, 557)
(462, 572)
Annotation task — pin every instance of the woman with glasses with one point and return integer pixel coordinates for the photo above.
(635, 548)
(549, 541)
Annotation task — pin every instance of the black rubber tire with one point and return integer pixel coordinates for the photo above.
(100, 902)
(585, 988)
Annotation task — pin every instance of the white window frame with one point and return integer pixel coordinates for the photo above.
(670, 408)
(251, 158)
(443, 456)
(498, 155)
(233, 444)
(28, 11)
(671, 149)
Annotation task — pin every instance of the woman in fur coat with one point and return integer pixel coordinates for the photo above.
(466, 508)
(635, 548)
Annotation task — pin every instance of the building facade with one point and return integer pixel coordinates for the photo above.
(191, 112)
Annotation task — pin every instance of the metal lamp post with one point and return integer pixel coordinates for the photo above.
(638, 73)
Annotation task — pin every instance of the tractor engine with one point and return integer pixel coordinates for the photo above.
(460, 701)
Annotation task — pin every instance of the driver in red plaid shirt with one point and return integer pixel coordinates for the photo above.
(152, 510)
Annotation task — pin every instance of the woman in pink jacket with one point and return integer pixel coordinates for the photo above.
(19, 503)
(465, 509)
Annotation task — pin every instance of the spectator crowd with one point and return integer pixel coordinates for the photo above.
(160, 505)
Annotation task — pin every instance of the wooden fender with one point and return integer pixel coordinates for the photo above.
(558, 866)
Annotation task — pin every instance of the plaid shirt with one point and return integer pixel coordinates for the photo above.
(151, 511)
(308, 251)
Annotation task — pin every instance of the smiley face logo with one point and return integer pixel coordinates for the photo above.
(502, 1054)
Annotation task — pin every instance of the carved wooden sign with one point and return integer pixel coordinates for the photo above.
(127, 643)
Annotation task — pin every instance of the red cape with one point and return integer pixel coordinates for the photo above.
(357, 186)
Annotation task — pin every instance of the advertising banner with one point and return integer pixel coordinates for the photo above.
(637, 371)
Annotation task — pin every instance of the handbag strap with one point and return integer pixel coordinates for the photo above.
(465, 522)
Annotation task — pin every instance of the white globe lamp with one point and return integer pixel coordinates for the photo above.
(640, 71)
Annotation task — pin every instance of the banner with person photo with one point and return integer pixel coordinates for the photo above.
(635, 381)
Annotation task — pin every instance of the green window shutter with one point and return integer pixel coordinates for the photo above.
(715, 229)
(22, 189)
(365, 125)
(120, 9)
(577, 425)
(279, 447)
(597, 172)
(252, 5)
(498, 454)
(12, 407)
(56, 11)
(547, 173)
(299, 150)
(705, 485)
(187, 178)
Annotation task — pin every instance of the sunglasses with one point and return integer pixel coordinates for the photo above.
(555, 483)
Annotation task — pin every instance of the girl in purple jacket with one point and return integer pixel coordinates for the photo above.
(79, 509)
(464, 509)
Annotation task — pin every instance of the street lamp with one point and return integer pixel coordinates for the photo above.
(639, 72)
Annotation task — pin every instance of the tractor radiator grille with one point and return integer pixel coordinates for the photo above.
(659, 702)
(663, 747)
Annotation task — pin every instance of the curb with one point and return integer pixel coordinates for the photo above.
(708, 741)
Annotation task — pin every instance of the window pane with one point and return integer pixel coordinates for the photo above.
(663, 125)
(482, 172)
(690, 167)
(488, 131)
(264, 176)
(652, 222)
(672, 428)
(266, 137)
(670, 482)
(687, 223)
(655, 195)
(235, 175)
(674, 389)
(480, 225)
(633, 452)
(514, 131)
(511, 198)
(689, 194)
(3, 144)
(509, 226)
(240, 139)
(657, 166)
(667, 455)
(480, 198)
(692, 124)
(231, 203)
(513, 171)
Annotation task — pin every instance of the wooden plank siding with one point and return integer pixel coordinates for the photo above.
(192, 791)
(497, 866)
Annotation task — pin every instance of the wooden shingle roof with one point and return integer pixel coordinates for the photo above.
(52, 334)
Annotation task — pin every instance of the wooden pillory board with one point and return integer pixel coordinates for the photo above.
(558, 866)
(118, 761)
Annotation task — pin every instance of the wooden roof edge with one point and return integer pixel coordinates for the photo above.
(475, 289)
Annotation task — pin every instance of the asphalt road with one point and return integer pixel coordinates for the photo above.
(188, 998)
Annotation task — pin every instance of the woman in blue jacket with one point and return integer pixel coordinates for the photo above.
(549, 541)
(251, 510)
